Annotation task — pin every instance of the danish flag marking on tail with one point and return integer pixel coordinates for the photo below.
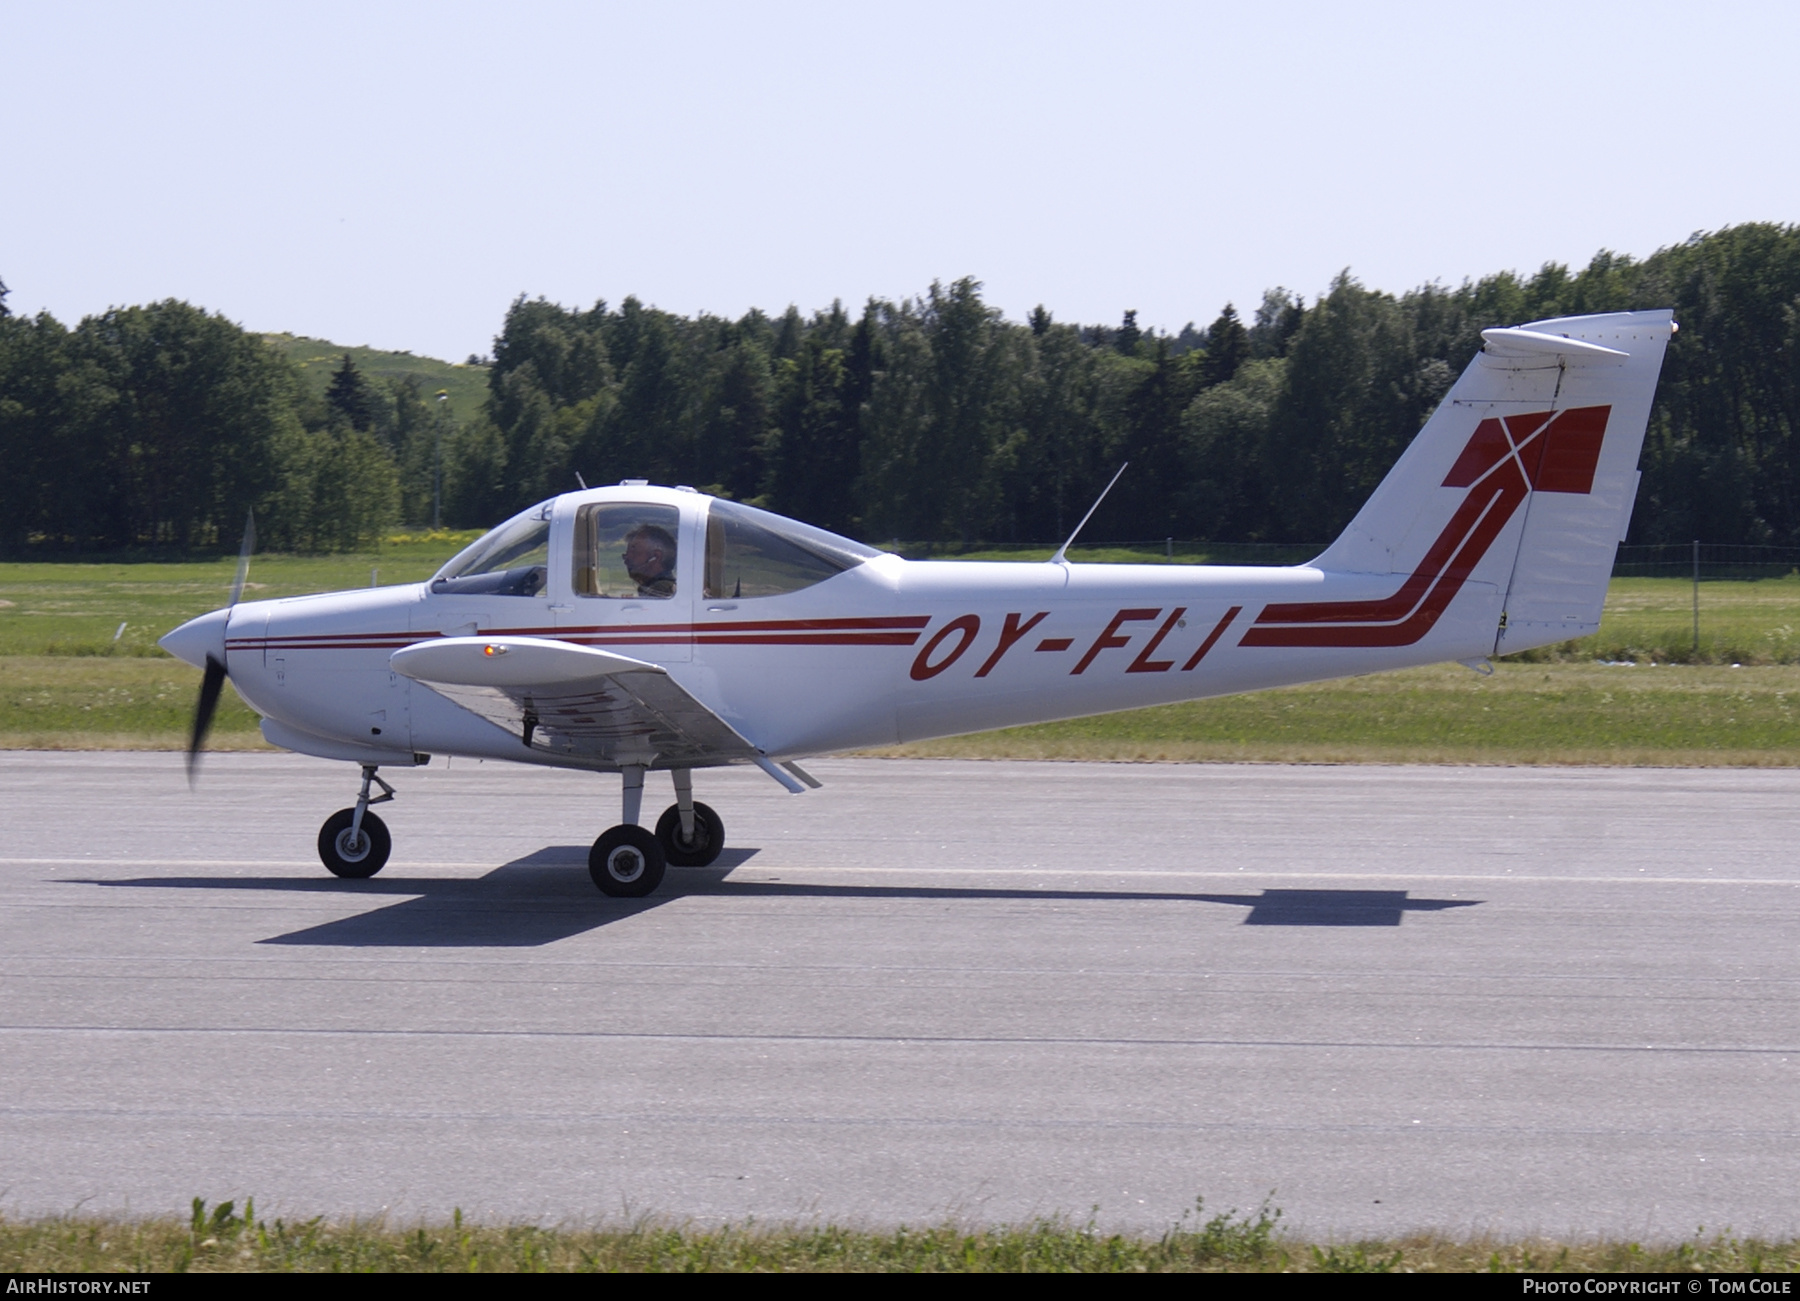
(1505, 460)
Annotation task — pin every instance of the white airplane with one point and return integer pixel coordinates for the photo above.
(632, 628)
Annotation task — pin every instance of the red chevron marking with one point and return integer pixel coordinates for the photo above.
(1505, 459)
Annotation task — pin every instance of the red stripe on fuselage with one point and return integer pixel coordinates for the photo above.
(808, 639)
(894, 630)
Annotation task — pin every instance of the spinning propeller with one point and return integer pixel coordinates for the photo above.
(214, 681)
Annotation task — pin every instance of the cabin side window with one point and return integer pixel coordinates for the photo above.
(752, 553)
(626, 550)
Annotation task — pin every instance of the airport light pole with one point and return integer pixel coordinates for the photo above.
(437, 464)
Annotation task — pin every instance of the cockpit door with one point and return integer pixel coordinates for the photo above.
(633, 578)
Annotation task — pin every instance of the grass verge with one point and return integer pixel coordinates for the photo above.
(50, 702)
(79, 669)
(219, 1238)
(1673, 715)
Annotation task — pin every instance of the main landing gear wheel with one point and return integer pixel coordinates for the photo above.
(626, 862)
(709, 837)
(357, 856)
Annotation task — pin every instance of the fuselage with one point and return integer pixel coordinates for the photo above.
(882, 650)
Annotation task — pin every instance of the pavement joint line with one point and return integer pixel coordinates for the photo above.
(935, 1122)
(535, 967)
(904, 1040)
(164, 862)
(1158, 873)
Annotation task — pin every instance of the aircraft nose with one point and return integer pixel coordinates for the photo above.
(198, 638)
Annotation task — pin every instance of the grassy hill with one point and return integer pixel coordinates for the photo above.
(317, 358)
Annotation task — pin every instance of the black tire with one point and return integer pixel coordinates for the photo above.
(355, 861)
(709, 837)
(626, 862)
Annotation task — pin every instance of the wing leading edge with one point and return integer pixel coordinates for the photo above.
(577, 701)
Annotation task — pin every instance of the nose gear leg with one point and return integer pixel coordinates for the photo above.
(363, 801)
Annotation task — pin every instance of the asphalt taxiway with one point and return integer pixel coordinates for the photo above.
(1473, 999)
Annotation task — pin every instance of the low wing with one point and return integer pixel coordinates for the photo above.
(575, 700)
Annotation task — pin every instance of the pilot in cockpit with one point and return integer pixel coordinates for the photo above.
(650, 560)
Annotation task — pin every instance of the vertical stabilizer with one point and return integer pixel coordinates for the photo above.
(1520, 484)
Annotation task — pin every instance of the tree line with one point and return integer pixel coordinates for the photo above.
(932, 419)
(158, 427)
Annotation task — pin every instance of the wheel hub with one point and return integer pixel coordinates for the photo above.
(625, 864)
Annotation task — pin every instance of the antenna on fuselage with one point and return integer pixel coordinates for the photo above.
(580, 480)
(1059, 558)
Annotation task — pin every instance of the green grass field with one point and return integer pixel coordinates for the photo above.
(70, 609)
(1572, 713)
(1637, 693)
(71, 678)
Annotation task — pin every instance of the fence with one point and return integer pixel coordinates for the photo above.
(1696, 561)
(1703, 561)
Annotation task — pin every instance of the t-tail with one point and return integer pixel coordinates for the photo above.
(1515, 496)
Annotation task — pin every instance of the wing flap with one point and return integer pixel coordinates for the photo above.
(576, 700)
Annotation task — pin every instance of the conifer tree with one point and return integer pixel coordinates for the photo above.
(349, 396)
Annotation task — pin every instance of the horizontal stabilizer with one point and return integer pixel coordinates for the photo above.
(1557, 347)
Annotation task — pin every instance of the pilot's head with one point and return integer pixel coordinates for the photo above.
(649, 553)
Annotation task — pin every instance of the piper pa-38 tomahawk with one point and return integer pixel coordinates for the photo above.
(632, 628)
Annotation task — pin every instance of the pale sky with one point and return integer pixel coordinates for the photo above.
(395, 174)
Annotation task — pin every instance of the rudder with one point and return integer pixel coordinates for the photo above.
(1587, 480)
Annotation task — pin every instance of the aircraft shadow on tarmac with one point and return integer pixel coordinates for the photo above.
(1332, 907)
(547, 896)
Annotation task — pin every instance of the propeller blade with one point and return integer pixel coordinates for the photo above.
(237, 588)
(214, 680)
(210, 687)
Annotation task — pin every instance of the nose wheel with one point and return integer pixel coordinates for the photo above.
(352, 852)
(354, 843)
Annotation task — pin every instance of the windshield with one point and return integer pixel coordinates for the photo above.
(751, 552)
(512, 560)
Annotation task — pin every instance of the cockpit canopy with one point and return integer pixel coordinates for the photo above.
(748, 553)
